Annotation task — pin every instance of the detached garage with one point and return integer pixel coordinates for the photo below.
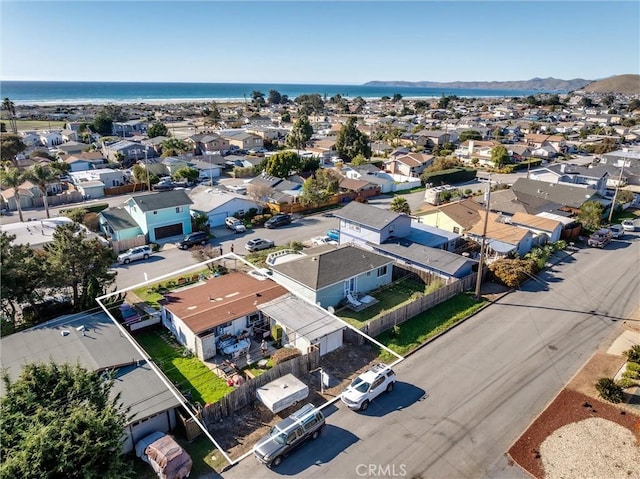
(217, 204)
(304, 325)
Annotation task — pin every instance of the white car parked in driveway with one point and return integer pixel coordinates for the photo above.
(369, 385)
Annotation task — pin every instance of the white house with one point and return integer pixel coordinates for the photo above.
(226, 306)
(218, 203)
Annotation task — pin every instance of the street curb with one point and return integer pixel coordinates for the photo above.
(489, 303)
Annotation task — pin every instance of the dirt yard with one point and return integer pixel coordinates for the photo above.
(578, 401)
(239, 432)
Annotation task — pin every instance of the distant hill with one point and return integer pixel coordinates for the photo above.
(625, 84)
(537, 84)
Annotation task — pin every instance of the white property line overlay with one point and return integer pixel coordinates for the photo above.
(173, 389)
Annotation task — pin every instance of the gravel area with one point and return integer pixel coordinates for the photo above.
(578, 451)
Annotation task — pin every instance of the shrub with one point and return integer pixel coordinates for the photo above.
(513, 272)
(91, 221)
(276, 333)
(635, 367)
(625, 383)
(285, 354)
(633, 354)
(631, 374)
(609, 390)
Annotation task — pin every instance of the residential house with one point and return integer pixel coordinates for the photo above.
(327, 275)
(31, 138)
(480, 150)
(433, 138)
(502, 239)
(70, 148)
(205, 143)
(108, 176)
(570, 197)
(95, 342)
(173, 163)
(158, 215)
(445, 264)
(411, 164)
(224, 306)
(242, 139)
(360, 189)
(208, 166)
(50, 138)
(128, 128)
(545, 230)
(457, 217)
(304, 325)
(69, 135)
(361, 224)
(553, 145)
(129, 151)
(369, 173)
(87, 160)
(219, 203)
(152, 146)
(587, 177)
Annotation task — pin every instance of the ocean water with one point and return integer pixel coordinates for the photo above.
(27, 92)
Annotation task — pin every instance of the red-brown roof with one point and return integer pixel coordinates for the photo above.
(222, 299)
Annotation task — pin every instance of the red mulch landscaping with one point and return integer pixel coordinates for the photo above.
(568, 407)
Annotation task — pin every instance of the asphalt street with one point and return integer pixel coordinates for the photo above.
(462, 400)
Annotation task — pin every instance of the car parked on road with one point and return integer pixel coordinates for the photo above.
(198, 237)
(134, 254)
(259, 244)
(278, 220)
(288, 434)
(234, 224)
(617, 231)
(369, 385)
(600, 238)
(629, 225)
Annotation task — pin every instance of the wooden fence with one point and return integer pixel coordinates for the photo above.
(387, 321)
(60, 199)
(245, 394)
(128, 188)
(123, 245)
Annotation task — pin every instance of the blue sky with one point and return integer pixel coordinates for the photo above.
(317, 41)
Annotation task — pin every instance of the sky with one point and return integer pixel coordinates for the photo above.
(317, 42)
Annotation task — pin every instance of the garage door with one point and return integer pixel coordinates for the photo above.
(166, 231)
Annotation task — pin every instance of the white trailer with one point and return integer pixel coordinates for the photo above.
(282, 393)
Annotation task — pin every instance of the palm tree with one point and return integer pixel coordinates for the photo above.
(11, 110)
(13, 178)
(42, 175)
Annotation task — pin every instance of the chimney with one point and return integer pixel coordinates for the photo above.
(471, 145)
(563, 167)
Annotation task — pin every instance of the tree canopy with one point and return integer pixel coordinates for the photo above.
(351, 142)
(12, 177)
(78, 263)
(174, 147)
(590, 215)
(499, 156)
(282, 164)
(309, 104)
(318, 188)
(399, 204)
(10, 108)
(187, 173)
(10, 146)
(300, 134)
(469, 135)
(157, 129)
(43, 176)
(60, 421)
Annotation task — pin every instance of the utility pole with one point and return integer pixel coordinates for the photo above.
(484, 240)
(615, 195)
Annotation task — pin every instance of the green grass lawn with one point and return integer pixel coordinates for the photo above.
(151, 294)
(412, 333)
(388, 299)
(186, 372)
(24, 125)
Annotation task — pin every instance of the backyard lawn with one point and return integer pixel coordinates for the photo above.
(389, 298)
(407, 336)
(186, 371)
(25, 125)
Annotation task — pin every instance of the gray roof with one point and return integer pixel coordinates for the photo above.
(309, 321)
(431, 258)
(427, 235)
(119, 219)
(566, 195)
(162, 200)
(510, 202)
(371, 216)
(330, 267)
(102, 346)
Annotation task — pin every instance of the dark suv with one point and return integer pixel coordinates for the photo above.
(278, 220)
(199, 237)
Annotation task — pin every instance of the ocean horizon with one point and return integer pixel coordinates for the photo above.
(53, 93)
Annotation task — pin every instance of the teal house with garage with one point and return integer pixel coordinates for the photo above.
(156, 216)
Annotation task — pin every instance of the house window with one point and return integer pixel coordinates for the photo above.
(179, 209)
(456, 230)
(382, 271)
(253, 319)
(155, 212)
(220, 329)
